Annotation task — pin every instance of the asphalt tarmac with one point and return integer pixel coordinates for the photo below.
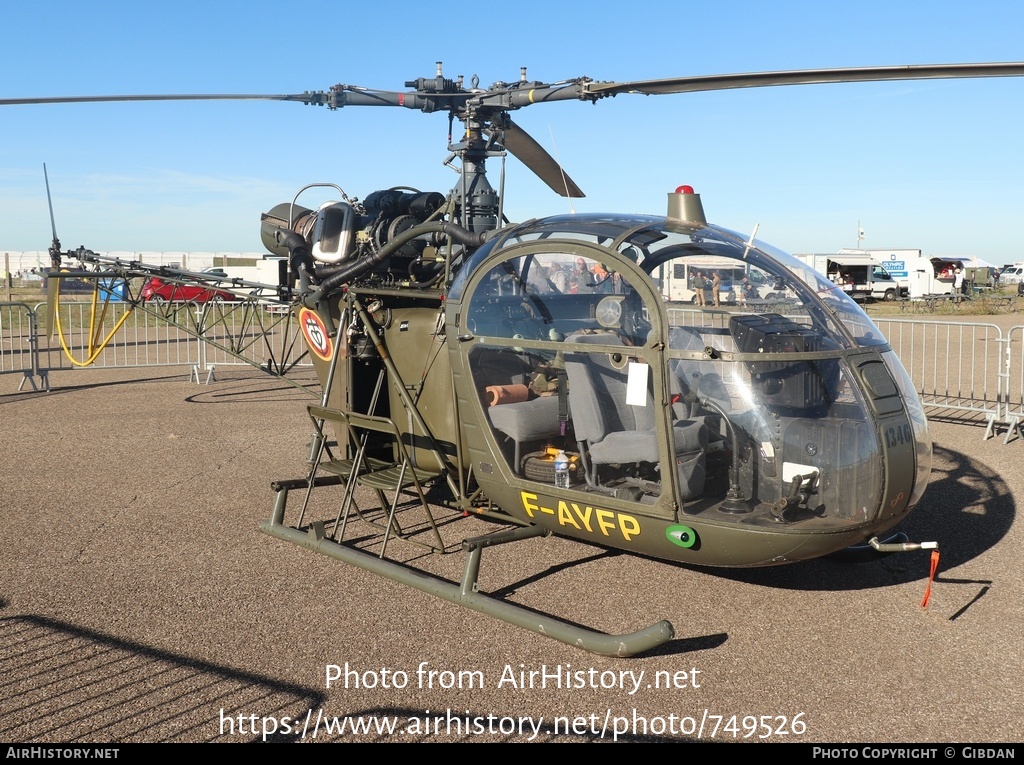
(139, 601)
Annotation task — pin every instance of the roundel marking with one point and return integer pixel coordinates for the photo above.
(315, 332)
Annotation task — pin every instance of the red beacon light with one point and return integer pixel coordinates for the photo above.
(684, 205)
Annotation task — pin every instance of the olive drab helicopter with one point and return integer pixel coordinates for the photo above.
(650, 383)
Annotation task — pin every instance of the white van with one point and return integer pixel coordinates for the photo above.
(1012, 275)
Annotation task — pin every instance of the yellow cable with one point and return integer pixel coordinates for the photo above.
(93, 351)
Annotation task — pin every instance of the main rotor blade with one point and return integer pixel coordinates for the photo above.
(805, 77)
(200, 97)
(334, 98)
(523, 146)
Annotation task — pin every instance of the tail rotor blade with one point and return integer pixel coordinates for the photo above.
(49, 202)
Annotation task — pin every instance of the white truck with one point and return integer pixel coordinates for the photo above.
(894, 260)
(860, 275)
(916, 274)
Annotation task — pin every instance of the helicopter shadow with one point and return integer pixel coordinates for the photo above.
(968, 508)
(63, 390)
(241, 391)
(69, 683)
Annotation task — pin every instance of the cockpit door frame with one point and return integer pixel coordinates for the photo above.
(651, 352)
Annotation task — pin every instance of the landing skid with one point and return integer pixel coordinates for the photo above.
(466, 593)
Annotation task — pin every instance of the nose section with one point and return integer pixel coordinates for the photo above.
(918, 423)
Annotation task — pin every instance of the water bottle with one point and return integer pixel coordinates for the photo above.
(561, 470)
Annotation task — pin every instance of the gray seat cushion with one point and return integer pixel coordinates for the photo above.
(527, 420)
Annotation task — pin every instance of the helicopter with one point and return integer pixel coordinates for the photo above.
(656, 384)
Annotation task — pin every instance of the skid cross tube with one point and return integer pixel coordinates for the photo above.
(465, 593)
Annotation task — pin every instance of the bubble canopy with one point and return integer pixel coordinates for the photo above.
(653, 243)
(689, 368)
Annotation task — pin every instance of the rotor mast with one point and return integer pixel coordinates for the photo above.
(478, 201)
(477, 198)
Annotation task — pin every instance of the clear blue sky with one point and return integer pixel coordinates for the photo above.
(936, 164)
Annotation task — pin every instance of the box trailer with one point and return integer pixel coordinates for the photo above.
(932, 276)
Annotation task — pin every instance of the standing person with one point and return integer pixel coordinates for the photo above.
(747, 291)
(716, 287)
(958, 285)
(698, 287)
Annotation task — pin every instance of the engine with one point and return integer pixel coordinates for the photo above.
(360, 239)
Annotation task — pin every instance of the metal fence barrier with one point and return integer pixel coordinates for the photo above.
(955, 367)
(19, 344)
(1013, 389)
(698, 318)
(217, 334)
(144, 340)
(961, 371)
